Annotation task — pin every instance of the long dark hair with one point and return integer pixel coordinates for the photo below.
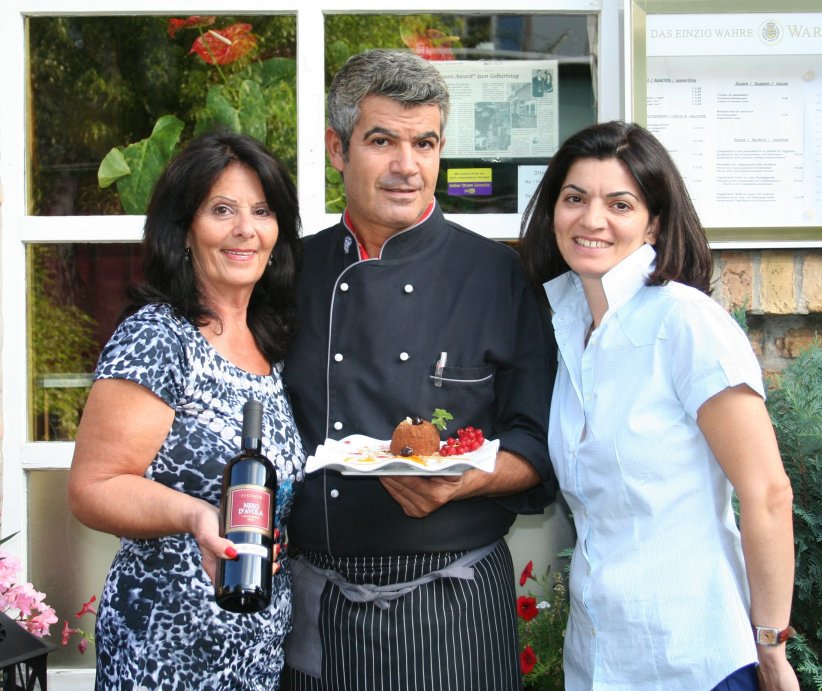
(177, 196)
(682, 251)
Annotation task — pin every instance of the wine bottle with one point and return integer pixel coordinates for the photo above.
(247, 519)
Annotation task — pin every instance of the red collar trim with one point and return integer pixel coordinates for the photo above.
(361, 248)
(350, 225)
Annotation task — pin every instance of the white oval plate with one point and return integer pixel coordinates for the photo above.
(361, 455)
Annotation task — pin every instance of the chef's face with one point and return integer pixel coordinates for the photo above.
(391, 167)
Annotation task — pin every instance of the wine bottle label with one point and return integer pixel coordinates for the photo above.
(249, 508)
(256, 550)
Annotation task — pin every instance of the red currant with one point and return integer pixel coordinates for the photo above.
(468, 439)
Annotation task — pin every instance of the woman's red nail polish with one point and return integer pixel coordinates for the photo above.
(231, 552)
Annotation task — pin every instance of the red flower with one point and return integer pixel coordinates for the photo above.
(527, 660)
(175, 25)
(526, 573)
(82, 645)
(430, 44)
(87, 608)
(68, 632)
(222, 46)
(527, 607)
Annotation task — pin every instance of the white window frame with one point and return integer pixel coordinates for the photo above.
(17, 229)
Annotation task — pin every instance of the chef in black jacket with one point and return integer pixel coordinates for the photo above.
(405, 582)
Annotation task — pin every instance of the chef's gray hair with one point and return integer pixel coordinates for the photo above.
(402, 77)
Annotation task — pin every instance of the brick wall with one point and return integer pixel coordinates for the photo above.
(781, 292)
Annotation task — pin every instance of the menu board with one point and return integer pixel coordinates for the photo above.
(737, 100)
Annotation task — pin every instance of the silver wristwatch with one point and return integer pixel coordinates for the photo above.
(767, 635)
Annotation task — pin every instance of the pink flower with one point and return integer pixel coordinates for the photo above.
(9, 566)
(21, 601)
(82, 645)
(24, 598)
(39, 624)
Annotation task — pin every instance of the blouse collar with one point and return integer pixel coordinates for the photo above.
(620, 284)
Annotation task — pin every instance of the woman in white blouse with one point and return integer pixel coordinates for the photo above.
(657, 415)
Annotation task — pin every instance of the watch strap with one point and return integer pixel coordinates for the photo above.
(767, 635)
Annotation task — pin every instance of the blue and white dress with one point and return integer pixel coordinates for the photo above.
(158, 625)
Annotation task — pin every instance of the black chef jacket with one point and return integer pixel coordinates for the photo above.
(369, 335)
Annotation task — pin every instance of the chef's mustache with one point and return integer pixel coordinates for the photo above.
(396, 181)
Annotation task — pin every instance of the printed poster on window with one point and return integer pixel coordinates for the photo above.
(737, 100)
(501, 108)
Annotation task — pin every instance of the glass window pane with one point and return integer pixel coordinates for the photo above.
(75, 297)
(67, 561)
(515, 116)
(148, 83)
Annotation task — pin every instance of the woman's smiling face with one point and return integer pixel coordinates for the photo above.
(233, 233)
(600, 217)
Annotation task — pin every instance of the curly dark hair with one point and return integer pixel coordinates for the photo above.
(682, 250)
(177, 196)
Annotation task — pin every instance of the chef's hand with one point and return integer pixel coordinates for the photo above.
(419, 496)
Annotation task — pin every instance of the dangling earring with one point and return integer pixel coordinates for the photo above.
(188, 254)
(270, 260)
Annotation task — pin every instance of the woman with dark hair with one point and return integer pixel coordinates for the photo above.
(657, 416)
(205, 333)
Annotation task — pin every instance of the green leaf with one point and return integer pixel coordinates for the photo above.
(247, 117)
(112, 168)
(338, 52)
(252, 110)
(218, 112)
(440, 418)
(274, 71)
(8, 537)
(147, 159)
(332, 175)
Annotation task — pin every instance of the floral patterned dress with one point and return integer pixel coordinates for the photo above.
(158, 624)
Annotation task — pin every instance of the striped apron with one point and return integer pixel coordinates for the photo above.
(455, 632)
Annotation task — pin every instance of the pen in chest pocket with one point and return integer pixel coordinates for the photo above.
(439, 367)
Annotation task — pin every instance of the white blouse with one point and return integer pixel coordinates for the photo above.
(659, 596)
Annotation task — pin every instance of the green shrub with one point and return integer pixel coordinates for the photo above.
(795, 406)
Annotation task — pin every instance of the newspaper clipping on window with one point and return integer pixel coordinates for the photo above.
(501, 108)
